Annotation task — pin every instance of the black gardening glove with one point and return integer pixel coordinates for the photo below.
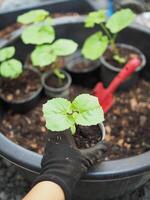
(64, 164)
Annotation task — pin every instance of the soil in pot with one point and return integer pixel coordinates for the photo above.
(110, 67)
(21, 88)
(84, 72)
(81, 67)
(127, 124)
(124, 52)
(54, 82)
(54, 86)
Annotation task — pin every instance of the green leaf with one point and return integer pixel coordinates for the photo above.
(64, 47)
(59, 73)
(6, 53)
(119, 59)
(38, 34)
(120, 20)
(43, 56)
(11, 68)
(96, 17)
(33, 16)
(56, 114)
(95, 46)
(88, 111)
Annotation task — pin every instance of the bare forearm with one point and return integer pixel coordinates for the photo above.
(45, 190)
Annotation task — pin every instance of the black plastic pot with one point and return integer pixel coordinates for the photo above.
(109, 72)
(24, 105)
(86, 76)
(107, 180)
(56, 92)
(53, 6)
(111, 178)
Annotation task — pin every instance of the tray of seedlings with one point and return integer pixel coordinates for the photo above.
(85, 75)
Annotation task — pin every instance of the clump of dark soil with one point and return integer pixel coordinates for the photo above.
(123, 52)
(21, 88)
(87, 136)
(127, 124)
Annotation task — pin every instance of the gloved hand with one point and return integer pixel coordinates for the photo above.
(64, 164)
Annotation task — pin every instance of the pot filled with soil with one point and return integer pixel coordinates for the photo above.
(113, 56)
(110, 67)
(82, 70)
(54, 87)
(126, 164)
(20, 89)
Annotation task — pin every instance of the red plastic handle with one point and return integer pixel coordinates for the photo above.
(127, 70)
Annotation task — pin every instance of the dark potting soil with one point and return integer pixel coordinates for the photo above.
(83, 66)
(127, 124)
(87, 136)
(54, 82)
(21, 88)
(123, 52)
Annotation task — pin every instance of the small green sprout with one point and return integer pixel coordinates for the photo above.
(47, 54)
(61, 114)
(38, 30)
(96, 44)
(9, 67)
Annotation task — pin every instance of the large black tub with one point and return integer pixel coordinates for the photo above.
(109, 179)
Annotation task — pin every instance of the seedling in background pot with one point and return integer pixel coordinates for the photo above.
(9, 67)
(38, 29)
(48, 54)
(61, 114)
(96, 44)
(42, 35)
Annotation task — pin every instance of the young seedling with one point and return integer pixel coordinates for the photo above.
(96, 44)
(61, 114)
(42, 35)
(48, 54)
(9, 67)
(38, 29)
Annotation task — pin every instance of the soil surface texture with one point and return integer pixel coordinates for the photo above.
(127, 124)
(82, 66)
(127, 54)
(21, 88)
(54, 82)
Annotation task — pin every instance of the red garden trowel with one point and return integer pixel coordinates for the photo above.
(105, 95)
